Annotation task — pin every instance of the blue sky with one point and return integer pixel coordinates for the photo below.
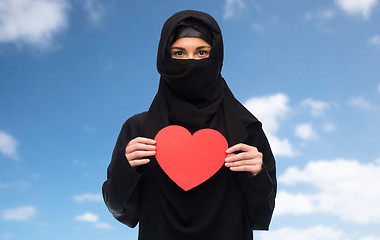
(72, 71)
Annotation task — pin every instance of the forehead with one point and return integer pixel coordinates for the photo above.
(190, 42)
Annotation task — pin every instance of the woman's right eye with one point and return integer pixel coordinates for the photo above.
(178, 54)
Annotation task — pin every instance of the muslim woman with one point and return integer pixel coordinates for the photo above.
(240, 196)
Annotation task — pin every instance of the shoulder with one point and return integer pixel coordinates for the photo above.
(138, 118)
(256, 136)
(135, 124)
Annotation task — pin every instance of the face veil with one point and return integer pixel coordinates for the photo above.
(197, 82)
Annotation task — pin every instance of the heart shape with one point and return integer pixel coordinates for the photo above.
(190, 160)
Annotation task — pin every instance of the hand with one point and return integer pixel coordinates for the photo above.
(138, 150)
(249, 159)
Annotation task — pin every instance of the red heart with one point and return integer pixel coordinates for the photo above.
(190, 160)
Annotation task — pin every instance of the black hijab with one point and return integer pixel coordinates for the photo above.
(192, 93)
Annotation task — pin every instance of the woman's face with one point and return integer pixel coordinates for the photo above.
(190, 48)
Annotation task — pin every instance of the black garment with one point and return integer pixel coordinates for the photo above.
(193, 94)
(226, 207)
(189, 31)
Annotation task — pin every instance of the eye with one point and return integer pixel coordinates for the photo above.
(177, 54)
(203, 53)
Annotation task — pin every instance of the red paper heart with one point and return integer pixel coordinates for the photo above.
(190, 160)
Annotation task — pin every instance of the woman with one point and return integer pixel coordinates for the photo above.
(239, 197)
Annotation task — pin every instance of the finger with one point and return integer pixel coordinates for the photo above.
(139, 154)
(250, 162)
(139, 146)
(241, 147)
(253, 170)
(143, 140)
(243, 156)
(239, 157)
(138, 162)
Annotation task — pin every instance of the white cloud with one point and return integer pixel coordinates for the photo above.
(18, 184)
(305, 131)
(375, 40)
(321, 15)
(281, 147)
(32, 22)
(233, 8)
(95, 11)
(343, 188)
(103, 225)
(295, 203)
(92, 218)
(8, 145)
(361, 102)
(88, 197)
(270, 110)
(317, 108)
(87, 217)
(259, 28)
(369, 238)
(23, 213)
(314, 233)
(79, 163)
(329, 127)
(362, 8)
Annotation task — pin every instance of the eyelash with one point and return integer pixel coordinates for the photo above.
(200, 52)
(178, 53)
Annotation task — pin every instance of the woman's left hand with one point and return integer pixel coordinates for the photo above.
(249, 159)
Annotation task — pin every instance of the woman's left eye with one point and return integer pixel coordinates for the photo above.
(202, 53)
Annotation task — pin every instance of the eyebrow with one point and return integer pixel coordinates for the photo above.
(202, 47)
(180, 48)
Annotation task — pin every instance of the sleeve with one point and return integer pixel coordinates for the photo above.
(260, 190)
(121, 190)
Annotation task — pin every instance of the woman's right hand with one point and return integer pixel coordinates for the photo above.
(138, 150)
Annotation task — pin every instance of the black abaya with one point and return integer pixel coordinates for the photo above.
(227, 206)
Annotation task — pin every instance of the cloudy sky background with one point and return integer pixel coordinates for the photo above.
(72, 71)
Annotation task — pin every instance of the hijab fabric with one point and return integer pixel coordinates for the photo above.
(193, 93)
